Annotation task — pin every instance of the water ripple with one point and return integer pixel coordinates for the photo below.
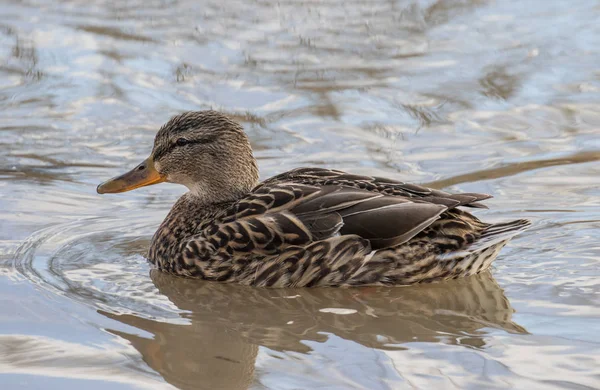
(95, 261)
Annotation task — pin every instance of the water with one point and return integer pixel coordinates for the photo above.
(498, 97)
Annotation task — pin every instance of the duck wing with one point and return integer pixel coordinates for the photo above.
(324, 177)
(278, 215)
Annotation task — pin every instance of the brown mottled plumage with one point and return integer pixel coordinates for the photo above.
(306, 227)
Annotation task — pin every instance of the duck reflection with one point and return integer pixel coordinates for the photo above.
(226, 324)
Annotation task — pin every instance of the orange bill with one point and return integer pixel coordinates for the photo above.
(143, 175)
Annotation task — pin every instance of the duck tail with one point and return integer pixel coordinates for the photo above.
(500, 232)
(479, 256)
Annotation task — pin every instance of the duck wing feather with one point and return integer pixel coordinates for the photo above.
(278, 215)
(323, 176)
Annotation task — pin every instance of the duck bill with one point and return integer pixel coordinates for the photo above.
(143, 175)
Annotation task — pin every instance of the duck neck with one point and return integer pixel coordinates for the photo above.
(186, 218)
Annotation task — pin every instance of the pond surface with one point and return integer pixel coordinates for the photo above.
(500, 97)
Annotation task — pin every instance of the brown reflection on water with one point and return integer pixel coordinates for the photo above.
(516, 168)
(228, 323)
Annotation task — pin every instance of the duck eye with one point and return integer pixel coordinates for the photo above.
(181, 142)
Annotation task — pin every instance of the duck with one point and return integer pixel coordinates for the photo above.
(308, 227)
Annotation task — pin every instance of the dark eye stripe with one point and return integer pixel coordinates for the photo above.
(165, 150)
(205, 140)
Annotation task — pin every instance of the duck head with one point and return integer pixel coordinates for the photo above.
(205, 151)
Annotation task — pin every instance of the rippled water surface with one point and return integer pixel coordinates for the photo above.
(501, 97)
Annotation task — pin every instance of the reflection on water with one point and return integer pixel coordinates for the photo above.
(516, 168)
(500, 97)
(227, 324)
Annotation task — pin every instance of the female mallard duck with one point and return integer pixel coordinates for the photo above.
(306, 227)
